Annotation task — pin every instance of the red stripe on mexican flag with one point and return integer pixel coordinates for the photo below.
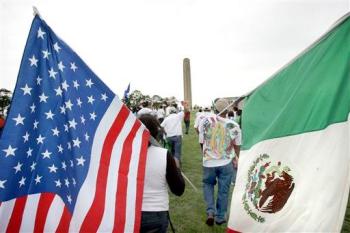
(294, 168)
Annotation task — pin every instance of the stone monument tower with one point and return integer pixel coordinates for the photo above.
(187, 82)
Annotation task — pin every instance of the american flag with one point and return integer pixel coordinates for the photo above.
(72, 156)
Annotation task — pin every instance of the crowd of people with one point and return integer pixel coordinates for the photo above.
(163, 164)
(162, 171)
(219, 138)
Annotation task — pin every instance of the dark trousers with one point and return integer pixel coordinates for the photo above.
(154, 222)
(187, 125)
(175, 143)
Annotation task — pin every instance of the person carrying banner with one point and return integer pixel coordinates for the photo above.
(221, 141)
(161, 172)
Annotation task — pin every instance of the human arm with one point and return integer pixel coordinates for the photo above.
(174, 178)
(163, 123)
(237, 140)
(235, 159)
(237, 149)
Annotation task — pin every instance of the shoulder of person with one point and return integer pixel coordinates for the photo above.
(205, 119)
(158, 148)
(180, 114)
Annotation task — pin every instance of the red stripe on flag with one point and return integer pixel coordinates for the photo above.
(63, 226)
(232, 231)
(93, 218)
(120, 202)
(17, 215)
(43, 208)
(140, 180)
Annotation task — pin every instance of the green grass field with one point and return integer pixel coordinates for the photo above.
(188, 211)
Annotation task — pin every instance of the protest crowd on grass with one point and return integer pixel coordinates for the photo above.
(77, 158)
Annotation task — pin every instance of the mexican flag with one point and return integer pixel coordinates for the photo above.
(294, 168)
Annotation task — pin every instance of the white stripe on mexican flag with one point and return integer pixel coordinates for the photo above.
(318, 200)
(294, 168)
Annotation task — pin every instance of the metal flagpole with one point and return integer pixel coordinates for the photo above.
(188, 180)
(36, 12)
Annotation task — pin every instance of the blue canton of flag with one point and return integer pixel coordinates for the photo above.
(57, 105)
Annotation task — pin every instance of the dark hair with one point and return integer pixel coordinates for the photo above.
(151, 124)
(230, 114)
(145, 104)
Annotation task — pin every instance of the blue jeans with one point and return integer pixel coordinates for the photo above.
(175, 145)
(223, 176)
(234, 174)
(156, 222)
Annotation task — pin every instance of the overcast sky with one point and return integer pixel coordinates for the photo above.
(233, 45)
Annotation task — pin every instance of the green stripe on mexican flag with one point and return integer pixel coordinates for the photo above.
(294, 168)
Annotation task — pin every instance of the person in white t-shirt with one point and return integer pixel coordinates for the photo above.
(161, 113)
(221, 144)
(167, 110)
(200, 111)
(172, 125)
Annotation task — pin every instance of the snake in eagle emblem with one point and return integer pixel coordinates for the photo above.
(268, 189)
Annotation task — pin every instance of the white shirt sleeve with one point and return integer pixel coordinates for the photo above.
(181, 115)
(163, 123)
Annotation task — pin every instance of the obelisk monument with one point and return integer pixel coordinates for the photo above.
(187, 82)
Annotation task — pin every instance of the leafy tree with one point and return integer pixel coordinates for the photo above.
(134, 100)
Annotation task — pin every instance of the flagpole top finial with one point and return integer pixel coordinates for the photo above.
(36, 12)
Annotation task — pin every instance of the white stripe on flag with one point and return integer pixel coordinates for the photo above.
(29, 214)
(320, 165)
(5, 213)
(54, 214)
(87, 192)
(132, 182)
(112, 180)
